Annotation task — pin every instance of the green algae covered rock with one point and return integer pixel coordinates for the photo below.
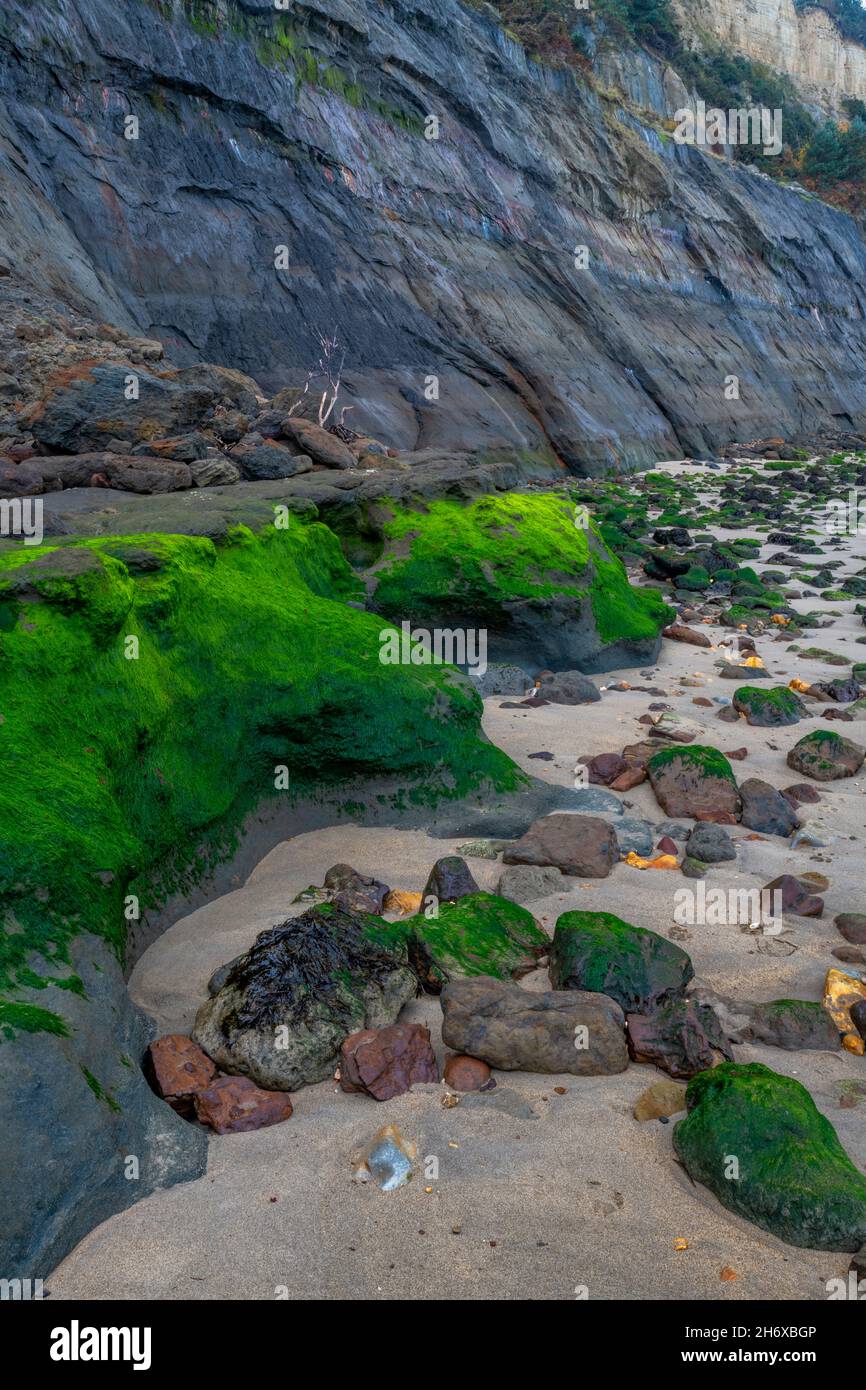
(599, 952)
(759, 1143)
(826, 756)
(151, 689)
(694, 781)
(769, 708)
(545, 588)
(480, 934)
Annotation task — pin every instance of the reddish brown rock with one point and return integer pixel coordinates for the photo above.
(795, 896)
(667, 846)
(464, 1073)
(177, 1070)
(738, 755)
(678, 632)
(632, 777)
(385, 1062)
(583, 846)
(604, 767)
(802, 791)
(852, 925)
(235, 1104)
(717, 817)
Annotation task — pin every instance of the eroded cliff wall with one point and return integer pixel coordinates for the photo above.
(805, 44)
(451, 257)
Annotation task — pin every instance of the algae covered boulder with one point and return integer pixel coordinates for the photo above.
(759, 1143)
(544, 589)
(288, 1004)
(694, 781)
(600, 952)
(480, 934)
(769, 708)
(826, 756)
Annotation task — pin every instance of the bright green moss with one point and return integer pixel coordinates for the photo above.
(776, 706)
(792, 1175)
(480, 934)
(28, 1018)
(708, 761)
(473, 559)
(599, 952)
(150, 689)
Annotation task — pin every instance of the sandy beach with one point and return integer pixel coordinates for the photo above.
(547, 1186)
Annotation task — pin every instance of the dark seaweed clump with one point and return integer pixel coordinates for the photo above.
(301, 963)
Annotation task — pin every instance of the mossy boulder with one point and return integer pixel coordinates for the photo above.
(826, 756)
(480, 934)
(769, 708)
(694, 781)
(305, 985)
(599, 952)
(546, 590)
(154, 691)
(759, 1143)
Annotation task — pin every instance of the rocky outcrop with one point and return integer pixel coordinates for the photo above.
(805, 43)
(259, 130)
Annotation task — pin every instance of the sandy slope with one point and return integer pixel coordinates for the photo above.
(537, 1193)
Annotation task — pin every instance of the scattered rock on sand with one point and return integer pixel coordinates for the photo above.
(688, 781)
(662, 1099)
(852, 925)
(523, 883)
(597, 951)
(765, 809)
(710, 844)
(516, 1029)
(353, 891)
(765, 709)
(567, 688)
(464, 1073)
(450, 879)
(582, 846)
(793, 1178)
(304, 985)
(235, 1104)
(681, 1036)
(791, 1024)
(794, 896)
(826, 756)
(678, 632)
(386, 1062)
(177, 1069)
(801, 792)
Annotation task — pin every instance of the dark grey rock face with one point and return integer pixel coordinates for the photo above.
(74, 1113)
(473, 279)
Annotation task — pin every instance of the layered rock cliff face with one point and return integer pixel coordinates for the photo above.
(805, 44)
(451, 258)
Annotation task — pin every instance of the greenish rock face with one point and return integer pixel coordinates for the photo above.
(826, 756)
(545, 589)
(481, 934)
(769, 708)
(794, 1178)
(692, 780)
(151, 688)
(599, 952)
